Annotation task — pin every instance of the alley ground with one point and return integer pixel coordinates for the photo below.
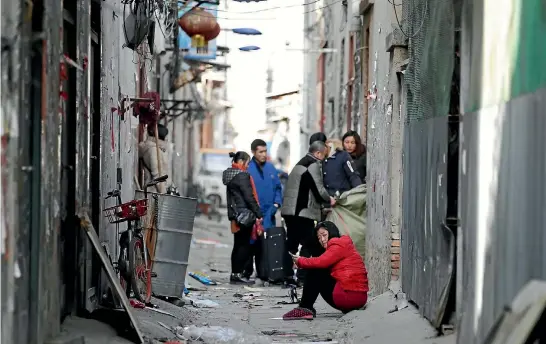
(256, 316)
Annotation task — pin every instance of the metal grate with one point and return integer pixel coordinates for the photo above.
(430, 26)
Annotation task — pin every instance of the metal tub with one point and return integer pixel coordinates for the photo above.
(174, 223)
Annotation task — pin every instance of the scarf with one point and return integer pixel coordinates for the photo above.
(257, 229)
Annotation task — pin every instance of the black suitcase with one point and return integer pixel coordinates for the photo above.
(276, 263)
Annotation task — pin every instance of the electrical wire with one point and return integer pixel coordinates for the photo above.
(265, 9)
(420, 26)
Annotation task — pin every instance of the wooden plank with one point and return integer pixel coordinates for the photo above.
(87, 226)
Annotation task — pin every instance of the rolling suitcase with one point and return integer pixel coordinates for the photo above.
(276, 263)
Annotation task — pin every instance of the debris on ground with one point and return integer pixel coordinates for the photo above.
(161, 311)
(210, 242)
(204, 303)
(203, 278)
(219, 335)
(136, 304)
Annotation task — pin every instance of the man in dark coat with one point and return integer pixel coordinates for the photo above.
(303, 197)
(339, 171)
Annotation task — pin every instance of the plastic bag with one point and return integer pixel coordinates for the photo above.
(220, 335)
(203, 303)
(349, 215)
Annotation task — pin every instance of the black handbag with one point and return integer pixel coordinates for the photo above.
(244, 218)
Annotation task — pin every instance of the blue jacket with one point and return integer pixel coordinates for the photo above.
(268, 186)
(339, 173)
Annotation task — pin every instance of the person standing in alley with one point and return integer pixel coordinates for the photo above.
(352, 144)
(243, 212)
(303, 196)
(339, 170)
(147, 153)
(269, 189)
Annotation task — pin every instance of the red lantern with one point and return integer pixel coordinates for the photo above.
(200, 25)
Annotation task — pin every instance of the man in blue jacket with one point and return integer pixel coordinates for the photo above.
(269, 189)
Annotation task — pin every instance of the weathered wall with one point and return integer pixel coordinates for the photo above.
(119, 138)
(503, 161)
(10, 228)
(383, 117)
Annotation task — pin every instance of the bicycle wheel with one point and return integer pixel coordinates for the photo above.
(124, 271)
(141, 273)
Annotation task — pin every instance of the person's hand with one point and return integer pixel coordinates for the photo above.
(332, 201)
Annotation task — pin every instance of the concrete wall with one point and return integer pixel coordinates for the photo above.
(384, 51)
(119, 138)
(384, 141)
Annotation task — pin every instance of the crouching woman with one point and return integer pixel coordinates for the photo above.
(338, 275)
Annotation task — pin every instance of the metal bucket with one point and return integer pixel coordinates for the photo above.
(174, 223)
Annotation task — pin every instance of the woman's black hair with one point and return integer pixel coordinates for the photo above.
(331, 228)
(239, 156)
(360, 148)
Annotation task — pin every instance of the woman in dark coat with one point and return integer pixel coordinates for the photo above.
(241, 199)
(352, 144)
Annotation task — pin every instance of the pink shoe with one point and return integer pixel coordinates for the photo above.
(298, 314)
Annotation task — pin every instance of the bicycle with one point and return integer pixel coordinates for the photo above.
(134, 263)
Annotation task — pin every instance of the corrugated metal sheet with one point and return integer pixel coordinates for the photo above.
(503, 198)
(428, 246)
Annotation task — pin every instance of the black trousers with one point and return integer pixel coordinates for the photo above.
(317, 282)
(241, 250)
(301, 231)
(255, 255)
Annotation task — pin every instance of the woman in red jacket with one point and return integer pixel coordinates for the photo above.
(338, 275)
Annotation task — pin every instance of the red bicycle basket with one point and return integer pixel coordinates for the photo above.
(129, 211)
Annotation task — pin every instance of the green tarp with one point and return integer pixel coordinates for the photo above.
(349, 215)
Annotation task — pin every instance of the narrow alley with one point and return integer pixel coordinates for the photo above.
(380, 162)
(225, 313)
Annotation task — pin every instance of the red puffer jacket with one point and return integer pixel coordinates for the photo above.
(345, 264)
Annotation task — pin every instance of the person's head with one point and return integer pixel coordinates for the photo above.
(320, 136)
(319, 150)
(240, 158)
(259, 150)
(162, 131)
(326, 230)
(352, 143)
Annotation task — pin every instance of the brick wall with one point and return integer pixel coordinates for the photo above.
(395, 256)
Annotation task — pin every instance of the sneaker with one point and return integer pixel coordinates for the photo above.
(299, 313)
(258, 282)
(239, 279)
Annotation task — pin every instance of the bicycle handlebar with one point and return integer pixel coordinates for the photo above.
(157, 180)
(113, 193)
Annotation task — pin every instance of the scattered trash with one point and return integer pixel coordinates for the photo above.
(204, 303)
(136, 304)
(209, 242)
(186, 291)
(191, 288)
(253, 289)
(220, 271)
(217, 335)
(161, 312)
(402, 303)
(275, 318)
(293, 295)
(165, 326)
(203, 278)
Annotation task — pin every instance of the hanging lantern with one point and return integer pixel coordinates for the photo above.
(201, 26)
